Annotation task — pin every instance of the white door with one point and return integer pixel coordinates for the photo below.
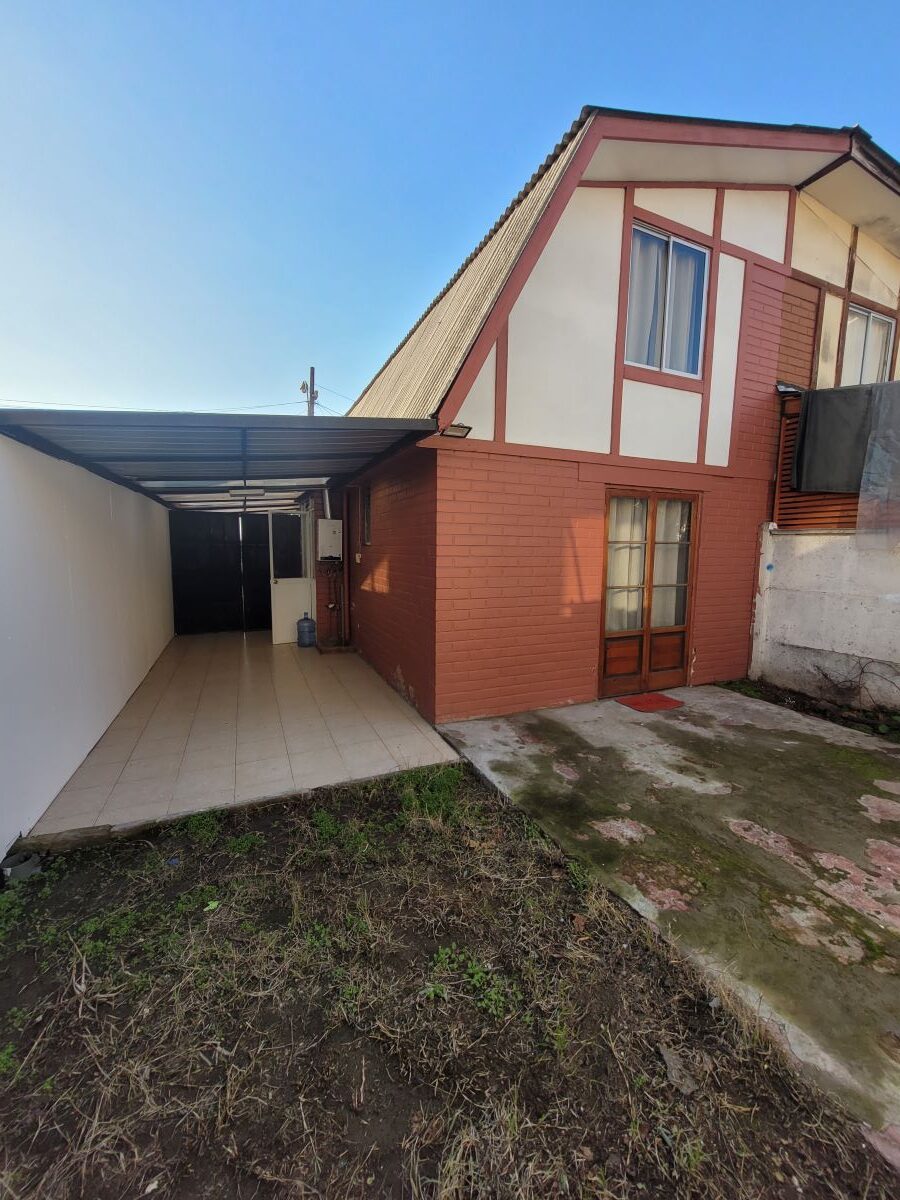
(292, 572)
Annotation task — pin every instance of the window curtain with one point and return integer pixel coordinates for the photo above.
(688, 269)
(646, 297)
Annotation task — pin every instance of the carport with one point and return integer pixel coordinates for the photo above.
(127, 528)
(246, 495)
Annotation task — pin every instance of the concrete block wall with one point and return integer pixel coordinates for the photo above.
(828, 618)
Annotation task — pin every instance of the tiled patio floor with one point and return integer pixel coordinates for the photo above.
(227, 719)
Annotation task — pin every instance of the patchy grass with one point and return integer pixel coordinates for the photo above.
(401, 989)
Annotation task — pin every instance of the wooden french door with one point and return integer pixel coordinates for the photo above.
(647, 592)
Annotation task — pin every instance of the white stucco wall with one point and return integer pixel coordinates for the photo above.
(757, 221)
(729, 304)
(830, 339)
(821, 245)
(562, 331)
(694, 207)
(824, 606)
(659, 422)
(478, 407)
(876, 272)
(85, 610)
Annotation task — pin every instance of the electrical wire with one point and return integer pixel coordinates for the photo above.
(193, 412)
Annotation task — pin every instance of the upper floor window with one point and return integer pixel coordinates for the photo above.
(666, 302)
(868, 342)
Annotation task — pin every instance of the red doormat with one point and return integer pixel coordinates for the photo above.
(650, 702)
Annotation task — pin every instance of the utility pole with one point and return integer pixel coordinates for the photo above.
(308, 389)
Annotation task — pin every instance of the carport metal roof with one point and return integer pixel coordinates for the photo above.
(225, 461)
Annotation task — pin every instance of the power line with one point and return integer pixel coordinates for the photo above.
(349, 399)
(192, 411)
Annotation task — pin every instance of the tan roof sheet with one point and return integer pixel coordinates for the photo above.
(416, 378)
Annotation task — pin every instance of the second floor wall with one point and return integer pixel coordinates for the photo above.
(636, 333)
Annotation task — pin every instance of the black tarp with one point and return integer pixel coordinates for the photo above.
(833, 437)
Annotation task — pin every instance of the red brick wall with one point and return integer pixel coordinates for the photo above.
(329, 587)
(392, 587)
(519, 551)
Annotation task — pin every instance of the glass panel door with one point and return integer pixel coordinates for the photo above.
(647, 593)
(671, 560)
(627, 558)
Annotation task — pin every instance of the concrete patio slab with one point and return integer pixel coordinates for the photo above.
(764, 842)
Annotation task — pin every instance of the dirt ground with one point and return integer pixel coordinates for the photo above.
(396, 989)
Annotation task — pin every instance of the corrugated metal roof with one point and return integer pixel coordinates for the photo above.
(415, 379)
(208, 459)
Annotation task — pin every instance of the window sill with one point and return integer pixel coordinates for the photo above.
(684, 383)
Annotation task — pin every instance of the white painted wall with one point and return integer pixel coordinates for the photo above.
(876, 272)
(659, 422)
(829, 340)
(478, 407)
(562, 331)
(694, 207)
(85, 610)
(729, 303)
(821, 245)
(757, 221)
(825, 605)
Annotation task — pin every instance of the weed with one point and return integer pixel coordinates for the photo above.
(201, 828)
(433, 792)
(7, 1059)
(352, 838)
(579, 876)
(349, 995)
(244, 843)
(100, 937)
(326, 826)
(12, 905)
(318, 936)
(17, 1017)
(195, 898)
(492, 991)
(434, 991)
(744, 687)
(560, 1037)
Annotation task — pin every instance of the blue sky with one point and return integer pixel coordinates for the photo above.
(199, 200)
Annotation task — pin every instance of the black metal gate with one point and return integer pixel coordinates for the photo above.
(220, 571)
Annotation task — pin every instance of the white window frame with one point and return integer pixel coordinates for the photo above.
(869, 313)
(669, 238)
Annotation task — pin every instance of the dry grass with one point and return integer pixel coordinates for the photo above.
(397, 989)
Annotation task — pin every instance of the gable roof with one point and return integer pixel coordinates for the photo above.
(416, 378)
